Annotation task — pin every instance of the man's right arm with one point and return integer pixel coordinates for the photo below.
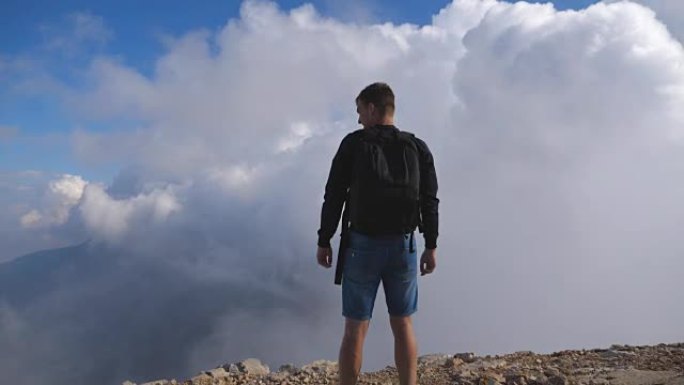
(428, 196)
(339, 180)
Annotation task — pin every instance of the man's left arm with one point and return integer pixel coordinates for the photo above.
(429, 202)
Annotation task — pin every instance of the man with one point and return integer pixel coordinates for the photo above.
(381, 245)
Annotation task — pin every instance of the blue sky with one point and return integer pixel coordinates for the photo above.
(132, 32)
(136, 25)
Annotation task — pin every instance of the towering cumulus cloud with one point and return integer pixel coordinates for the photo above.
(558, 139)
(671, 12)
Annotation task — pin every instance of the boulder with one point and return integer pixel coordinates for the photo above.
(431, 359)
(202, 379)
(249, 366)
(219, 372)
(466, 357)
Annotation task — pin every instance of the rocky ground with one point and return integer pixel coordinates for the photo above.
(661, 364)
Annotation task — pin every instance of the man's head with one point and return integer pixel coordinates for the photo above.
(375, 105)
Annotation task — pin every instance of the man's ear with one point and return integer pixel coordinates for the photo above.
(371, 109)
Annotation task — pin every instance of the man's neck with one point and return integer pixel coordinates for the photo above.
(384, 122)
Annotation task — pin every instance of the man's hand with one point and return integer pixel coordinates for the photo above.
(428, 261)
(324, 256)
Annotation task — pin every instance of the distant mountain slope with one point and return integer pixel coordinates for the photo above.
(83, 314)
(26, 278)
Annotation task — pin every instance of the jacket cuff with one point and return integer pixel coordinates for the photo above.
(323, 242)
(430, 242)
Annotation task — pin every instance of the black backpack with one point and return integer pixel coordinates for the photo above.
(384, 192)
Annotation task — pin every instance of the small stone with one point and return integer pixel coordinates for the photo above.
(516, 379)
(557, 380)
(453, 362)
(551, 372)
(492, 378)
(466, 374)
(537, 379)
(584, 371)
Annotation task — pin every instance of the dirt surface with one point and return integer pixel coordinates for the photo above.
(661, 364)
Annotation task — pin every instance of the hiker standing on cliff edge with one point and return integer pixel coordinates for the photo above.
(385, 178)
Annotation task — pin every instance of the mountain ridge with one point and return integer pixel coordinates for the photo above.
(661, 364)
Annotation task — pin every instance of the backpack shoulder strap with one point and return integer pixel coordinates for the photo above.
(409, 138)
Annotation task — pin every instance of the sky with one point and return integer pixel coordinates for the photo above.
(556, 131)
(61, 37)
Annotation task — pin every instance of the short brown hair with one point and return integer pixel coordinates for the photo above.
(381, 95)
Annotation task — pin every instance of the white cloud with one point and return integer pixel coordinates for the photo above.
(110, 219)
(670, 12)
(299, 132)
(27, 194)
(90, 27)
(31, 219)
(62, 195)
(76, 31)
(221, 99)
(231, 178)
(69, 189)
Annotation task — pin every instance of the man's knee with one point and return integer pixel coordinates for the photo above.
(355, 329)
(401, 324)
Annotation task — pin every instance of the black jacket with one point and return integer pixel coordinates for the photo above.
(339, 181)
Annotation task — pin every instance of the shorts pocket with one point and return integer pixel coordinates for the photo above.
(359, 265)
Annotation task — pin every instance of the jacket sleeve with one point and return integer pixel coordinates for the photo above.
(428, 196)
(336, 189)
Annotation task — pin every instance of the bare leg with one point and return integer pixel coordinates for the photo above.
(405, 350)
(351, 351)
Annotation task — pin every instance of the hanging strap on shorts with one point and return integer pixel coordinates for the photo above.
(411, 243)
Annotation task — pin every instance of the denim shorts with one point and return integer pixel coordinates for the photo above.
(370, 260)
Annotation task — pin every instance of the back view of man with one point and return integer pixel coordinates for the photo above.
(387, 179)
